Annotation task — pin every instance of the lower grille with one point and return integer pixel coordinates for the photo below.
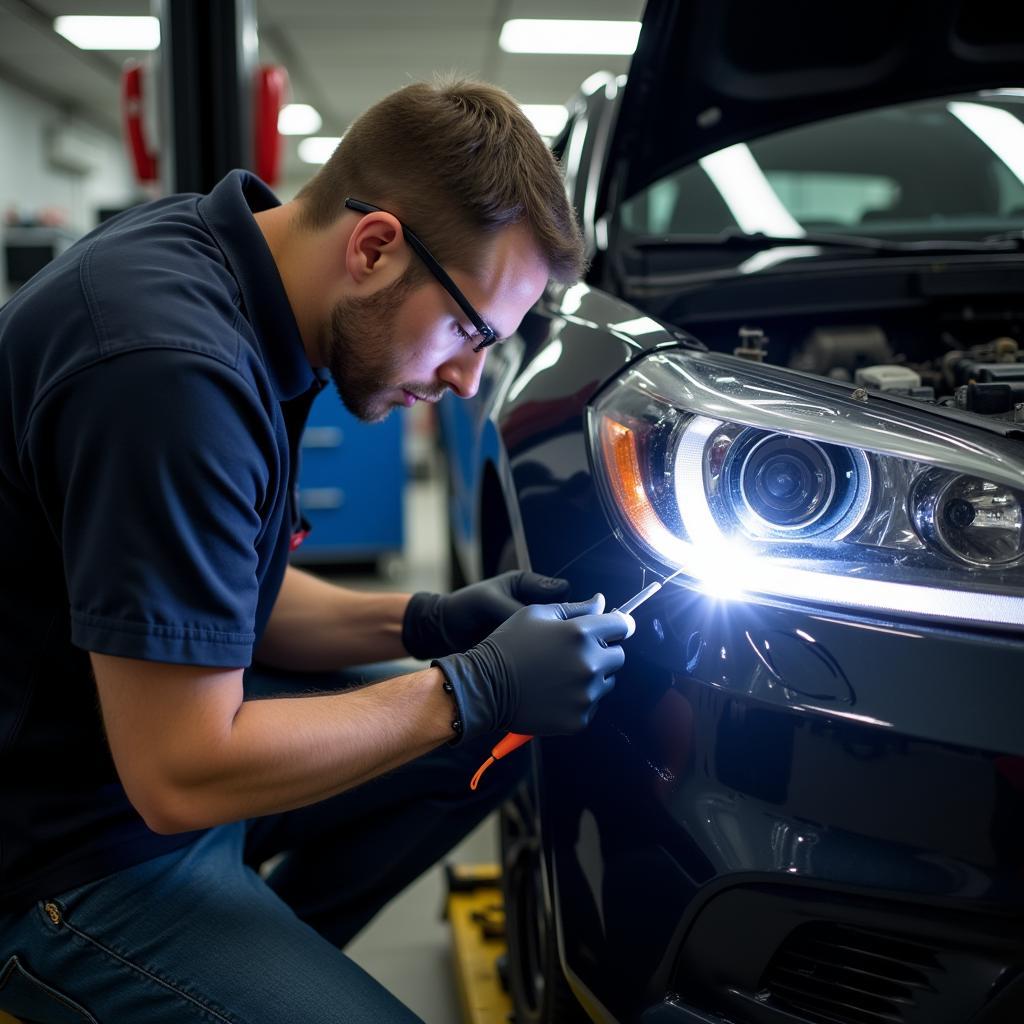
(835, 974)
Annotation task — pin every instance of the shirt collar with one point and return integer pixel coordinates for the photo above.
(227, 212)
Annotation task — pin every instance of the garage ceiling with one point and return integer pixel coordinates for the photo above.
(341, 55)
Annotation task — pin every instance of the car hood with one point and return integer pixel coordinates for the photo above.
(712, 73)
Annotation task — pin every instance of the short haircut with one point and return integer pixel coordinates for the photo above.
(454, 160)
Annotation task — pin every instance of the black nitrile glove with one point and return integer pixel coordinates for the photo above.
(439, 624)
(542, 672)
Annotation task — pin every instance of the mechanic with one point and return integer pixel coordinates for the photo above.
(156, 380)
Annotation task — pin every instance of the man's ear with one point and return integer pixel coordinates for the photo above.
(376, 248)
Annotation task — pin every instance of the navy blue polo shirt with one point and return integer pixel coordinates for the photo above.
(153, 387)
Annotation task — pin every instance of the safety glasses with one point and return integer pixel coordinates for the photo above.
(487, 334)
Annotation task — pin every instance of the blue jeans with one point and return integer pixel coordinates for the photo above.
(199, 935)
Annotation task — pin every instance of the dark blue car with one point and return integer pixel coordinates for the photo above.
(795, 372)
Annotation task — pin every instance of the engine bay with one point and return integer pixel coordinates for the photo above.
(960, 359)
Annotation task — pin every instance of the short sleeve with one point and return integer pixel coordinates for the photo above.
(153, 467)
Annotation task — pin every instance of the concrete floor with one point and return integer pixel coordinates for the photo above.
(407, 946)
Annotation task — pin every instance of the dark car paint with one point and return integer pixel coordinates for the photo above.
(760, 770)
(744, 745)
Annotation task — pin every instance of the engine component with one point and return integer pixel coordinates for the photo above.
(753, 344)
(968, 370)
(849, 347)
(894, 380)
(1005, 401)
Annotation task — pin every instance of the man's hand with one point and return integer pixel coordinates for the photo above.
(438, 624)
(542, 672)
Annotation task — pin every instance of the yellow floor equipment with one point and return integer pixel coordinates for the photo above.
(476, 912)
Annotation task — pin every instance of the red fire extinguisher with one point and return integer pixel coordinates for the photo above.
(135, 98)
(270, 92)
(269, 95)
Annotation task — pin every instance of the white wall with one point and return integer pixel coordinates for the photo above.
(27, 179)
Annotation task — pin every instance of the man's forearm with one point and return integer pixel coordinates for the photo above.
(317, 626)
(283, 753)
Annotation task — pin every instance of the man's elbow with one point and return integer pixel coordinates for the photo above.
(169, 811)
(168, 825)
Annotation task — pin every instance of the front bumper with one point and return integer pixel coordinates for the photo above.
(769, 781)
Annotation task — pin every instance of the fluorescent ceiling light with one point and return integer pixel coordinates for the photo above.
(317, 149)
(548, 118)
(299, 119)
(748, 193)
(102, 32)
(552, 35)
(1000, 130)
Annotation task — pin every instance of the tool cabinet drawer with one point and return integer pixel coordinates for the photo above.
(351, 482)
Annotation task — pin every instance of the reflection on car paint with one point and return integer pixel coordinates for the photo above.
(663, 773)
(802, 667)
(793, 847)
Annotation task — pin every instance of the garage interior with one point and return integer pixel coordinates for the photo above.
(68, 165)
(790, 373)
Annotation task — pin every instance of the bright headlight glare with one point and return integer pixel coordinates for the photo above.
(757, 480)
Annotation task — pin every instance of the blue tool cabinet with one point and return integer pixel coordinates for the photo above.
(350, 484)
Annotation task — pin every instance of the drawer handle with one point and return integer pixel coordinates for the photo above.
(322, 437)
(321, 498)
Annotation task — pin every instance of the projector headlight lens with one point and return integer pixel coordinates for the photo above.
(977, 522)
(786, 487)
(787, 482)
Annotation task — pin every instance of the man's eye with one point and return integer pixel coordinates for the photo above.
(462, 332)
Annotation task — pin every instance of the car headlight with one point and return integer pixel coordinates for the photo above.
(761, 481)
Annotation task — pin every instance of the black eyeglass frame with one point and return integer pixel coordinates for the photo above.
(486, 332)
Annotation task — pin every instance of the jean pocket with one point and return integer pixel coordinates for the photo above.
(32, 1001)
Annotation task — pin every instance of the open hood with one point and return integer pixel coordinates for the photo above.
(711, 73)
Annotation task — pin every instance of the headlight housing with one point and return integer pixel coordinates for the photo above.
(773, 484)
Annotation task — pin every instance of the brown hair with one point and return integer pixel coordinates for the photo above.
(453, 160)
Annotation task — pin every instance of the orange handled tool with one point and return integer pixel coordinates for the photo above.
(514, 740)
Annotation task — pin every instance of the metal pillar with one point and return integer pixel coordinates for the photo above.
(208, 55)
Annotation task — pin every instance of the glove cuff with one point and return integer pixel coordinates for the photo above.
(476, 691)
(422, 635)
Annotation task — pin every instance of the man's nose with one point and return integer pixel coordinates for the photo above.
(462, 374)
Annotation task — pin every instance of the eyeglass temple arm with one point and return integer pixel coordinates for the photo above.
(437, 270)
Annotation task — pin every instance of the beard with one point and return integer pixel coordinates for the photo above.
(365, 357)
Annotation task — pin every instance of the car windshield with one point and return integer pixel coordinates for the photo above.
(947, 168)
